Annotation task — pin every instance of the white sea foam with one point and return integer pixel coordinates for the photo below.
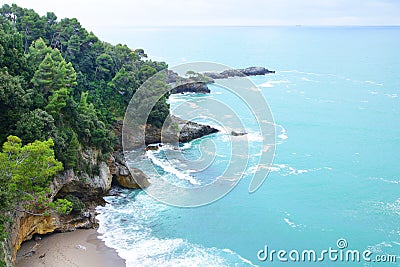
(127, 223)
(374, 83)
(391, 208)
(282, 134)
(379, 248)
(385, 180)
(291, 224)
(169, 168)
(254, 137)
(287, 170)
(392, 95)
(270, 84)
(306, 79)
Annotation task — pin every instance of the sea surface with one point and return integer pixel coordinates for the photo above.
(335, 100)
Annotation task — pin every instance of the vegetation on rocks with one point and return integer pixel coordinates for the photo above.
(61, 90)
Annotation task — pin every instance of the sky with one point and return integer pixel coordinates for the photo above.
(97, 14)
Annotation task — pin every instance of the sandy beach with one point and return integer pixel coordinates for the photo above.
(79, 248)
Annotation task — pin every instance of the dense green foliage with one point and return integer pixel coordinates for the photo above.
(25, 176)
(59, 83)
(58, 80)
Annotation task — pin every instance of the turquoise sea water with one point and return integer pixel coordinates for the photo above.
(336, 173)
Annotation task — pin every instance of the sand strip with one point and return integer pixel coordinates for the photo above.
(80, 248)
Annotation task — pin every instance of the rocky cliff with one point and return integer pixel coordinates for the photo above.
(88, 187)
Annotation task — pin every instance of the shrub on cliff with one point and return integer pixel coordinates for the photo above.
(25, 176)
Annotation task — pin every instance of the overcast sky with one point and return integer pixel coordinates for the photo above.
(96, 14)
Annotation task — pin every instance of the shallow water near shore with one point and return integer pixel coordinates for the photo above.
(336, 105)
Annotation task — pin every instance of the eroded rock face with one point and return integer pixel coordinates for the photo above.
(125, 178)
(88, 188)
(131, 181)
(26, 225)
(85, 187)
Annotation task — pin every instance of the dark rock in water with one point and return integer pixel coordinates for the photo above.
(177, 130)
(192, 87)
(251, 71)
(152, 147)
(191, 130)
(197, 83)
(233, 73)
(233, 133)
(215, 75)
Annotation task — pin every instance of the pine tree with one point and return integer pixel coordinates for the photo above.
(44, 76)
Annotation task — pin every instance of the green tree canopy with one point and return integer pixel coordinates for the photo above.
(25, 176)
(36, 125)
(14, 101)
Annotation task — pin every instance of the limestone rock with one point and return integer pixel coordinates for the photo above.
(133, 179)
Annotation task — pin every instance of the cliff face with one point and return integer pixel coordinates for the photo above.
(88, 188)
(122, 176)
(25, 226)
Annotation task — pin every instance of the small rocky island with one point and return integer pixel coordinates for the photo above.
(250, 71)
(198, 82)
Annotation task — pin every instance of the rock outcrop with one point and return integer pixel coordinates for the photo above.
(251, 71)
(25, 226)
(177, 129)
(133, 179)
(191, 87)
(197, 83)
(234, 133)
(97, 184)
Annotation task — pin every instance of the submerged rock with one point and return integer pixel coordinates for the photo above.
(234, 133)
